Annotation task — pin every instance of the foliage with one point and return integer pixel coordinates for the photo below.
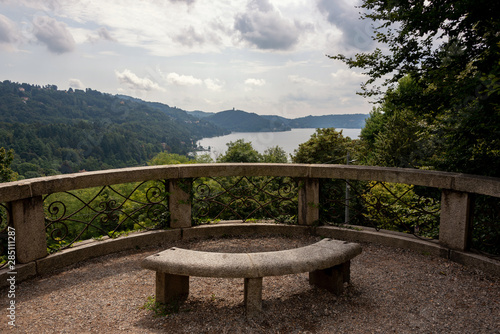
(245, 198)
(240, 151)
(486, 225)
(241, 121)
(275, 154)
(6, 173)
(397, 207)
(396, 134)
(159, 309)
(165, 158)
(465, 33)
(104, 212)
(55, 131)
(325, 146)
(448, 53)
(204, 158)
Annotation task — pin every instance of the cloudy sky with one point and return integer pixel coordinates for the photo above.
(262, 56)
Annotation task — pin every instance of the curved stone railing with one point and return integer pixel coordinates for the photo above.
(23, 202)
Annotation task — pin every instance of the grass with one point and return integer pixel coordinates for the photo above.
(159, 309)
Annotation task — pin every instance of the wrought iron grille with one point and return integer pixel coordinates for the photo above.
(244, 198)
(107, 211)
(486, 226)
(381, 205)
(4, 225)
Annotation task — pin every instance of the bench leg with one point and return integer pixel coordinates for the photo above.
(253, 296)
(331, 279)
(171, 287)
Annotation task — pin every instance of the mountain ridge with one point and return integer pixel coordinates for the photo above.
(242, 121)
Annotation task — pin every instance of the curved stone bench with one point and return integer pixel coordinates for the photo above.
(327, 261)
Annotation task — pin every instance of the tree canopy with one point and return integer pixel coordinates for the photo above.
(6, 173)
(431, 40)
(440, 62)
(242, 151)
(326, 146)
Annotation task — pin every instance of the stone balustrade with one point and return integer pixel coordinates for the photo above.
(24, 199)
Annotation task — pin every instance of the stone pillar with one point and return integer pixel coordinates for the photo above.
(29, 222)
(455, 222)
(171, 287)
(308, 201)
(180, 202)
(253, 296)
(331, 279)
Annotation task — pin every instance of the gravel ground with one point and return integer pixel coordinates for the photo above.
(391, 291)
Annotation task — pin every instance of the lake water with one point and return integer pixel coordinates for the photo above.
(287, 140)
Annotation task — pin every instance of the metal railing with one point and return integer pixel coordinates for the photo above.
(54, 213)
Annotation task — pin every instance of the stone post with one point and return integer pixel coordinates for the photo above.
(455, 222)
(180, 202)
(308, 201)
(29, 222)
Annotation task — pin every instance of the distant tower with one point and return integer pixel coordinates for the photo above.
(233, 108)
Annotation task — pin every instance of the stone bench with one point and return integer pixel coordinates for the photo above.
(327, 261)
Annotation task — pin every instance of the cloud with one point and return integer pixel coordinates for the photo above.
(214, 84)
(102, 34)
(344, 78)
(264, 27)
(53, 34)
(8, 31)
(183, 80)
(345, 16)
(303, 81)
(190, 37)
(76, 83)
(134, 82)
(255, 82)
(188, 2)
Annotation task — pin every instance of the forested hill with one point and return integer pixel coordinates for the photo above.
(242, 121)
(54, 131)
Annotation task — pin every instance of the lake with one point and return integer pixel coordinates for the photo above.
(287, 140)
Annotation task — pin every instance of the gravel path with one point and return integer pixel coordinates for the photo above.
(391, 291)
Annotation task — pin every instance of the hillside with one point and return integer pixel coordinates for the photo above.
(348, 121)
(54, 131)
(241, 121)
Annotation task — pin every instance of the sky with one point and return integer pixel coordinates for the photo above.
(261, 56)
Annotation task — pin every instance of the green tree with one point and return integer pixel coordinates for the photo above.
(275, 155)
(326, 146)
(6, 173)
(164, 158)
(450, 49)
(466, 32)
(204, 158)
(240, 151)
(396, 134)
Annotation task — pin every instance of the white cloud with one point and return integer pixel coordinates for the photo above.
(303, 81)
(183, 80)
(76, 83)
(346, 77)
(255, 82)
(344, 15)
(8, 31)
(134, 82)
(214, 84)
(53, 34)
(263, 26)
(102, 34)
